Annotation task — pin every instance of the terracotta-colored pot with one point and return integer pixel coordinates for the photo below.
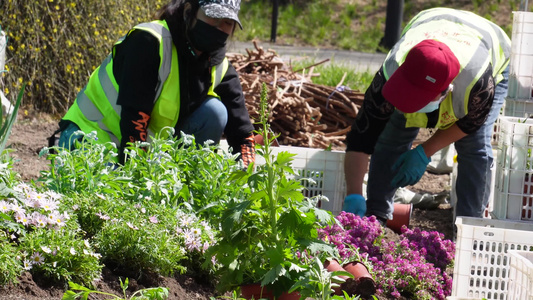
(255, 291)
(401, 216)
(332, 266)
(364, 283)
(349, 285)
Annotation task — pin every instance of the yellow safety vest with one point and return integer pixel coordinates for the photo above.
(96, 108)
(475, 41)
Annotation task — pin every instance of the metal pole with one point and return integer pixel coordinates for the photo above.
(523, 5)
(393, 23)
(274, 21)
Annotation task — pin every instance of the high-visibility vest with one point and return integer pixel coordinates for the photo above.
(475, 41)
(96, 108)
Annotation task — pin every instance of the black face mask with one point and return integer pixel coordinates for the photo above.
(206, 38)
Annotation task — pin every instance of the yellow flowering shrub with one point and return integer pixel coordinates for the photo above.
(56, 44)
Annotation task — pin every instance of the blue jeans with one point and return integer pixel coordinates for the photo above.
(474, 163)
(205, 123)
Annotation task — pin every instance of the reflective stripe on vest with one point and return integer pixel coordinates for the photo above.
(475, 42)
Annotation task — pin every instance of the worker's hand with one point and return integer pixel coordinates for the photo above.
(355, 204)
(410, 167)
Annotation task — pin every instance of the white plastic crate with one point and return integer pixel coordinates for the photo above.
(521, 275)
(481, 265)
(513, 197)
(521, 61)
(326, 168)
(518, 108)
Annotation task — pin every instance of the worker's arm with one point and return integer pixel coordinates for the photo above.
(355, 168)
(442, 138)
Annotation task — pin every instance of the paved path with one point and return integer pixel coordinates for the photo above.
(359, 61)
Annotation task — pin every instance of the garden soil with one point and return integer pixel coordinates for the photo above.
(29, 136)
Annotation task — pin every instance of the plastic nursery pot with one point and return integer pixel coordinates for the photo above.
(364, 283)
(332, 266)
(255, 291)
(401, 216)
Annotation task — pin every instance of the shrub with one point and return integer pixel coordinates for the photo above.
(56, 44)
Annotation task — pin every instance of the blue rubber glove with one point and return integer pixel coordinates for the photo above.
(355, 204)
(410, 167)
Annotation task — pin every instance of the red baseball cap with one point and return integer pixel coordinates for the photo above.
(428, 70)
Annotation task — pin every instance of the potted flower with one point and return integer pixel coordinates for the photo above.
(263, 238)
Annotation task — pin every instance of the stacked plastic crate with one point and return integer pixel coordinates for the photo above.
(483, 262)
(519, 102)
(513, 186)
(514, 173)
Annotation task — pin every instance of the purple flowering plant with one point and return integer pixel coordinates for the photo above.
(413, 266)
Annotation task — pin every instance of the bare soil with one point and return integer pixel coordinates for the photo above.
(29, 136)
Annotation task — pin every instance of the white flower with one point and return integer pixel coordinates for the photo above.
(86, 243)
(4, 206)
(196, 231)
(27, 265)
(46, 249)
(48, 204)
(193, 243)
(72, 251)
(17, 208)
(130, 225)
(53, 195)
(39, 220)
(21, 218)
(37, 258)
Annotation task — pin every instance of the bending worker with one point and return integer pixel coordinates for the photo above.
(448, 71)
(171, 72)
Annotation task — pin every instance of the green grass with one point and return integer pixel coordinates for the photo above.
(331, 74)
(349, 24)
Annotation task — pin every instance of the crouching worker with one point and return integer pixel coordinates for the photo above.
(449, 71)
(171, 72)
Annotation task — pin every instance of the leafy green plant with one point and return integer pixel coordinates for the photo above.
(234, 296)
(318, 282)
(85, 168)
(144, 236)
(264, 235)
(46, 240)
(54, 54)
(10, 266)
(174, 171)
(77, 291)
(7, 124)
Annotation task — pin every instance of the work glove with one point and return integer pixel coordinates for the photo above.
(355, 204)
(410, 167)
(248, 151)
